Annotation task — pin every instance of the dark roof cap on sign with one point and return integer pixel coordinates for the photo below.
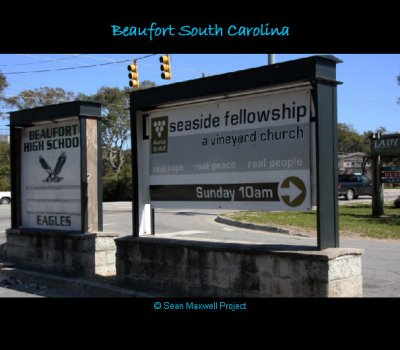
(301, 70)
(27, 117)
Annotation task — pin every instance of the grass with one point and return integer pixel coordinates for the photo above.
(354, 220)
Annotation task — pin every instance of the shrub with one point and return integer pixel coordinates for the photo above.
(117, 189)
(5, 183)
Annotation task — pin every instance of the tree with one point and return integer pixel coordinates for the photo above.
(146, 84)
(4, 166)
(398, 82)
(349, 140)
(116, 125)
(3, 85)
(39, 97)
(382, 130)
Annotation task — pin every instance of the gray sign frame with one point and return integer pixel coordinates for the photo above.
(318, 71)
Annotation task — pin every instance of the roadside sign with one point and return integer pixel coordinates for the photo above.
(386, 145)
(390, 174)
(248, 152)
(51, 176)
(391, 168)
(263, 138)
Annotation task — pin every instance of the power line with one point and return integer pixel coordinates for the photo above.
(104, 104)
(141, 58)
(67, 68)
(79, 67)
(47, 61)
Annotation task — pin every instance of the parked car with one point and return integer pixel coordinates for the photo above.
(5, 197)
(352, 186)
(397, 202)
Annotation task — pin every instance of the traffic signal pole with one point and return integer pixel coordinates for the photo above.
(271, 58)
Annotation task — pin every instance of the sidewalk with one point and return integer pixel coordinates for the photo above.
(11, 293)
(15, 282)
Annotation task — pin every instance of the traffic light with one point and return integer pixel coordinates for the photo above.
(166, 67)
(133, 75)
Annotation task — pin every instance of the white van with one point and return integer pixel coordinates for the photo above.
(5, 197)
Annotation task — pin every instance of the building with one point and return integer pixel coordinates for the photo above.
(358, 162)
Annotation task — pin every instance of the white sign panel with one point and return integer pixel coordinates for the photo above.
(51, 176)
(250, 152)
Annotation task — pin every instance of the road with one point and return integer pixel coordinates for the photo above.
(381, 260)
(389, 197)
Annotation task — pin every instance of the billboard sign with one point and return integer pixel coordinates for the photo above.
(51, 176)
(247, 152)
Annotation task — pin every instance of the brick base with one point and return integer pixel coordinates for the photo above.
(61, 252)
(212, 269)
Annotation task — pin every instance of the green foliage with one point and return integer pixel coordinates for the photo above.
(3, 84)
(146, 84)
(39, 97)
(115, 127)
(117, 188)
(398, 82)
(4, 166)
(350, 141)
(5, 183)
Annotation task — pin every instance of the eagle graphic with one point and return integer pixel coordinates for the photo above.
(53, 173)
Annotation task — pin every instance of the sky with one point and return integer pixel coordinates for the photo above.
(367, 99)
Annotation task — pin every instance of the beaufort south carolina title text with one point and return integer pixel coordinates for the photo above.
(154, 30)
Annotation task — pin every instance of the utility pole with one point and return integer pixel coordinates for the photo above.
(271, 58)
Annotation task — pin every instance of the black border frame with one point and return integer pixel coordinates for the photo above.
(320, 71)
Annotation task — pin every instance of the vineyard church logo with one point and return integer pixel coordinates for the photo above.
(159, 127)
(53, 173)
(159, 135)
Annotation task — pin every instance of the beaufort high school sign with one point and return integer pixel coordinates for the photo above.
(51, 176)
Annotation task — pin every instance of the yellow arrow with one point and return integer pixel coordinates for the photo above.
(299, 185)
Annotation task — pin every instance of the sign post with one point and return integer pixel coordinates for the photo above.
(382, 146)
(258, 139)
(56, 180)
(56, 167)
(241, 140)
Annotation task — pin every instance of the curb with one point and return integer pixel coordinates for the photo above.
(85, 288)
(247, 225)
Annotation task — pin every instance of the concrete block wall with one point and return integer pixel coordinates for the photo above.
(210, 269)
(105, 254)
(61, 252)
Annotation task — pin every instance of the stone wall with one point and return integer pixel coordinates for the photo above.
(61, 252)
(105, 253)
(212, 269)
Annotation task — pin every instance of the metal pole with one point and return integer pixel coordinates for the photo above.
(153, 224)
(327, 165)
(377, 194)
(271, 58)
